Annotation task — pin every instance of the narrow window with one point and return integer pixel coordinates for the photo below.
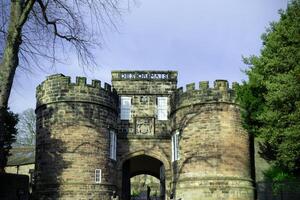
(97, 175)
(125, 108)
(175, 146)
(162, 108)
(113, 145)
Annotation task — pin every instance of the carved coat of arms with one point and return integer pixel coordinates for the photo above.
(144, 126)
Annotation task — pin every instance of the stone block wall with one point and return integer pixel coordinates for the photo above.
(144, 87)
(144, 82)
(73, 123)
(214, 149)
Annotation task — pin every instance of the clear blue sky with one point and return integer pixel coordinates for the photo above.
(202, 40)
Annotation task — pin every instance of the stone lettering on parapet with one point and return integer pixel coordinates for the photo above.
(142, 75)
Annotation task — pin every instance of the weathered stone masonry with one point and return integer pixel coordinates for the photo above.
(214, 148)
(74, 121)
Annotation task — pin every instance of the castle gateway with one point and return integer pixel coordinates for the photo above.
(91, 140)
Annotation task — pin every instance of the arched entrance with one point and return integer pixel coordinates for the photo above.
(142, 164)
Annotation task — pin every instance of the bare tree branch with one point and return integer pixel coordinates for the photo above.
(26, 128)
(26, 10)
(54, 24)
(46, 30)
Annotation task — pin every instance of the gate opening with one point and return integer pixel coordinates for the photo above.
(146, 166)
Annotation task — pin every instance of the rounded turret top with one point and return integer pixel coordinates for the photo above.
(59, 88)
(219, 93)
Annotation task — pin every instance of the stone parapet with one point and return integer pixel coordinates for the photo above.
(125, 75)
(219, 93)
(59, 88)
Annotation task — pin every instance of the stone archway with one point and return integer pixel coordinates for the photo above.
(138, 164)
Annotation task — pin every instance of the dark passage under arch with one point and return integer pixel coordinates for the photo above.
(142, 164)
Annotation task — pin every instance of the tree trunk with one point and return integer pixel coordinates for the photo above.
(8, 66)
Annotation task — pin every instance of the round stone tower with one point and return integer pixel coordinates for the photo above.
(214, 149)
(74, 121)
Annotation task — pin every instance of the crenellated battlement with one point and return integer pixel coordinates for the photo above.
(80, 81)
(220, 92)
(59, 88)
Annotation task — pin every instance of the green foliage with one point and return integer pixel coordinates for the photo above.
(10, 131)
(281, 180)
(135, 193)
(277, 174)
(271, 96)
(10, 121)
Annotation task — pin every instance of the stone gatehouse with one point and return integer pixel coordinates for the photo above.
(91, 139)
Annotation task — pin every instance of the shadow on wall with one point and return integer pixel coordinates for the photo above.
(49, 163)
(212, 159)
(58, 152)
(179, 166)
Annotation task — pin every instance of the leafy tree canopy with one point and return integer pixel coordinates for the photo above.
(8, 137)
(271, 96)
